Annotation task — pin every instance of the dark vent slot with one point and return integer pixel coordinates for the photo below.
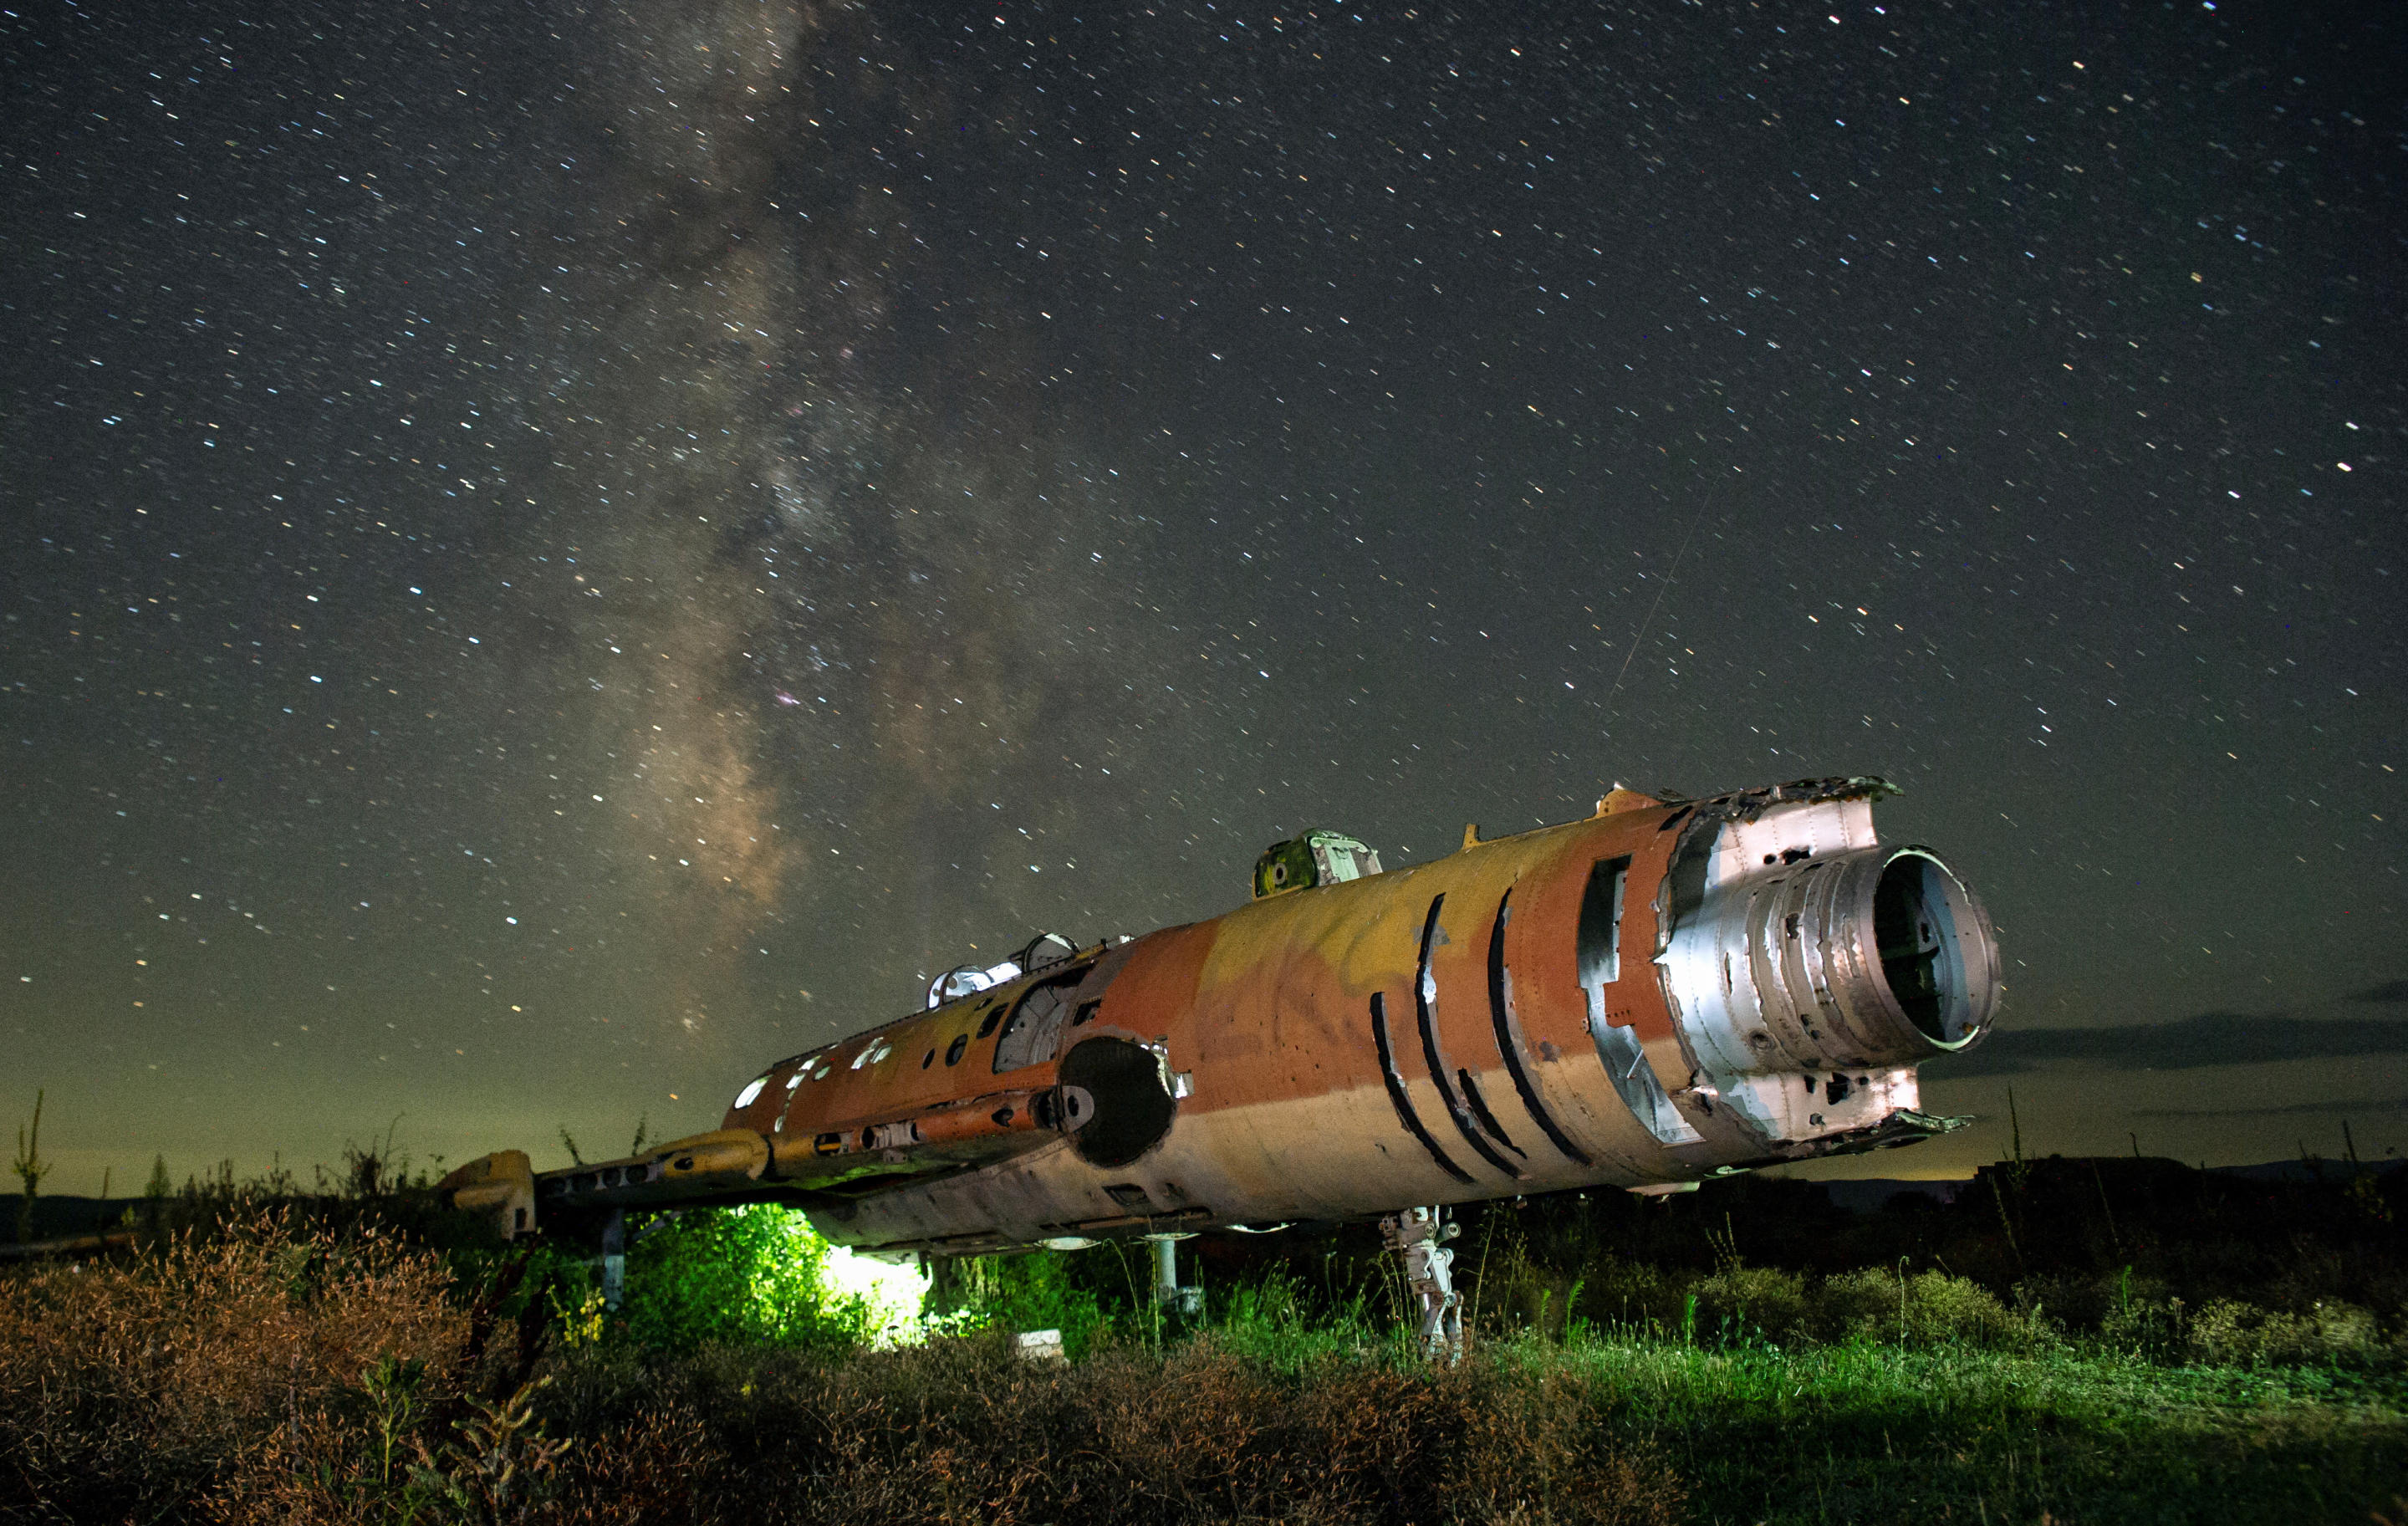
(1425, 1010)
(1479, 1106)
(1508, 1042)
(1396, 1094)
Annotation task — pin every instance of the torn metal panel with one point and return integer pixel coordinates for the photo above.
(1902, 1126)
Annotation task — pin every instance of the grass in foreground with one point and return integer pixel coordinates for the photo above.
(1601, 1429)
(292, 1375)
(1875, 1432)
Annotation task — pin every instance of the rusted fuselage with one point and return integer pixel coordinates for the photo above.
(1664, 992)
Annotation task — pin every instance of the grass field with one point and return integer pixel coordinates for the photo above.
(1598, 1429)
(364, 1358)
(1867, 1432)
(285, 1374)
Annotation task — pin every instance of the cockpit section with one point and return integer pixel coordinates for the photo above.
(970, 979)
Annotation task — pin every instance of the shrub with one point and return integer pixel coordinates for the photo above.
(1506, 1291)
(1956, 1310)
(1266, 1320)
(1737, 1302)
(1035, 1292)
(1927, 1308)
(1864, 1304)
(749, 1274)
(1619, 1294)
(2242, 1334)
(2067, 1300)
(2142, 1317)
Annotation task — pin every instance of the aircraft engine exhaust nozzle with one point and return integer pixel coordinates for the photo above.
(1875, 957)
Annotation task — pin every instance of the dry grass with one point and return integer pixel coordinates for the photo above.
(271, 1374)
(964, 1431)
(263, 1369)
(137, 1389)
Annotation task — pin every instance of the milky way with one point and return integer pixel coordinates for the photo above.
(554, 557)
(829, 579)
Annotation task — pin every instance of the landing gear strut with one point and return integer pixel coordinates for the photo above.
(1419, 1236)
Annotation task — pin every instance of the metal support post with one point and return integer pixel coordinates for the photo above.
(1168, 1296)
(614, 1259)
(1165, 1273)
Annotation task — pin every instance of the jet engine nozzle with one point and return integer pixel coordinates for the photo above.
(1873, 957)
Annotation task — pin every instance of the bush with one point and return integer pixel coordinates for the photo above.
(749, 1274)
(2139, 1315)
(282, 1372)
(1619, 1294)
(1942, 1309)
(1266, 1320)
(1739, 1301)
(1928, 1308)
(1037, 1290)
(2242, 1334)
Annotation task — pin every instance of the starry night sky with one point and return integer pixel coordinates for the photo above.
(551, 555)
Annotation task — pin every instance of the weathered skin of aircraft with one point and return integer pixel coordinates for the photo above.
(1664, 992)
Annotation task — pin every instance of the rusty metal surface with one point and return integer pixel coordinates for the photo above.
(1421, 1036)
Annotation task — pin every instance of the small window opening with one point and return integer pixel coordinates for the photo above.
(1600, 924)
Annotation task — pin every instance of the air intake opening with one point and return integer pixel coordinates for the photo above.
(1133, 1108)
(1916, 912)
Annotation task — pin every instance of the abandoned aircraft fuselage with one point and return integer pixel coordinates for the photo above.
(1661, 993)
